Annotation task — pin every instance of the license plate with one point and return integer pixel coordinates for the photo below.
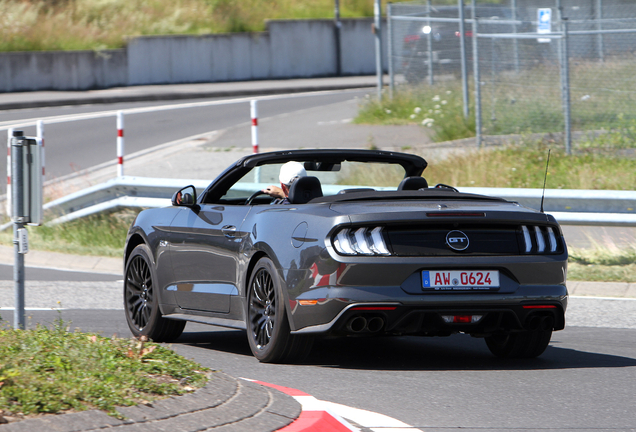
(459, 280)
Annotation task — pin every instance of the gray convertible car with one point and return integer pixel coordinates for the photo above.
(362, 247)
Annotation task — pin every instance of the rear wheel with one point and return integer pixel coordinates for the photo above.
(526, 344)
(268, 331)
(141, 300)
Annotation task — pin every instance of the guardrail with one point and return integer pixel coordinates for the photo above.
(573, 207)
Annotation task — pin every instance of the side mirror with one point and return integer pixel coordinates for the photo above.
(185, 197)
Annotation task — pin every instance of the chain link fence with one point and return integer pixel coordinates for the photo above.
(577, 75)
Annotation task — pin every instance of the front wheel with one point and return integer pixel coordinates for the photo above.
(268, 331)
(525, 344)
(141, 300)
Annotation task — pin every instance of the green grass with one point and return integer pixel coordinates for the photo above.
(439, 108)
(601, 94)
(100, 24)
(602, 264)
(100, 235)
(523, 166)
(50, 370)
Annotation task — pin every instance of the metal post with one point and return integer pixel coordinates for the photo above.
(390, 49)
(566, 88)
(120, 144)
(377, 29)
(9, 195)
(462, 40)
(17, 174)
(515, 42)
(429, 43)
(599, 26)
(477, 81)
(40, 135)
(337, 32)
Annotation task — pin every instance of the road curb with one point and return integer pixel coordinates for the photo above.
(169, 96)
(225, 404)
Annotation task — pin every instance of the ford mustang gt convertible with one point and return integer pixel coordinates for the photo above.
(362, 247)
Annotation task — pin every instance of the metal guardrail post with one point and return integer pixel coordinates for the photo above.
(390, 49)
(462, 42)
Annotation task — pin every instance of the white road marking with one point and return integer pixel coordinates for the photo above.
(367, 419)
(142, 110)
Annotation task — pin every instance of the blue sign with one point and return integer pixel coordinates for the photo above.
(544, 18)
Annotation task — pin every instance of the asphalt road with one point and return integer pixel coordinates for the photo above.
(584, 381)
(77, 145)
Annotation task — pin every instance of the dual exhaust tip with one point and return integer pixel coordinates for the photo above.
(543, 323)
(359, 324)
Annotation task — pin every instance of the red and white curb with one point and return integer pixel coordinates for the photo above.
(319, 416)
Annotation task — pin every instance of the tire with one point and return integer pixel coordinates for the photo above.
(268, 331)
(526, 344)
(141, 301)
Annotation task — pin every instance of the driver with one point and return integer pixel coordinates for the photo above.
(289, 173)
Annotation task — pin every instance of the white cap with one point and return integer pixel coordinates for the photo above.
(290, 170)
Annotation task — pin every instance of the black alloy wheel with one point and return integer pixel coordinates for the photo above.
(141, 302)
(267, 325)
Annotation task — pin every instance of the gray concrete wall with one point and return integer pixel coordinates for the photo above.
(62, 70)
(289, 49)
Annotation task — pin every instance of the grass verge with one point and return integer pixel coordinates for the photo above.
(523, 166)
(602, 264)
(523, 103)
(98, 235)
(50, 370)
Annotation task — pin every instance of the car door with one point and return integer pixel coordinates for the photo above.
(205, 243)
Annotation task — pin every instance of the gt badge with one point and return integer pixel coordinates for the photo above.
(457, 240)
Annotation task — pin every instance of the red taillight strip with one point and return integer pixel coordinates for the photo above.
(539, 307)
(373, 308)
(452, 214)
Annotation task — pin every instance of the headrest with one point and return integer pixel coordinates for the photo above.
(413, 183)
(304, 189)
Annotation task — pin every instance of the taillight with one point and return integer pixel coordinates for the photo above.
(539, 239)
(360, 241)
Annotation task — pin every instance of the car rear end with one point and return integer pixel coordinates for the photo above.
(431, 268)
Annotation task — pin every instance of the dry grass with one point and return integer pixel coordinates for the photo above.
(100, 24)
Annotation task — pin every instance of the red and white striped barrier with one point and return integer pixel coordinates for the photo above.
(120, 143)
(254, 114)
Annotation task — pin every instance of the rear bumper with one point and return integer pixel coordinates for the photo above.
(366, 312)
